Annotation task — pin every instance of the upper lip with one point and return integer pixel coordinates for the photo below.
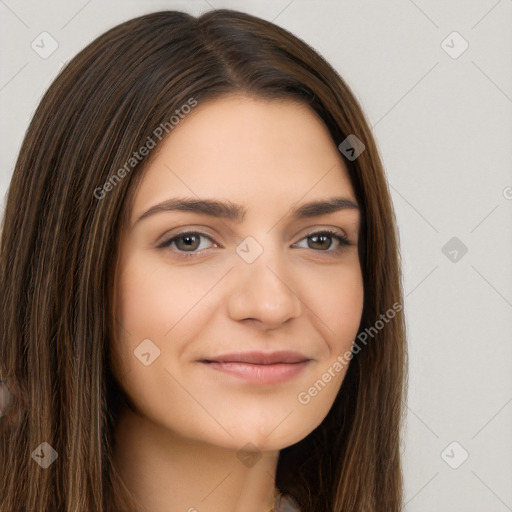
(282, 356)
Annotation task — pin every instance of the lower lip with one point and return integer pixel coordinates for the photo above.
(261, 373)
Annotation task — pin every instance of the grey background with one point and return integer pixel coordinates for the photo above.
(444, 129)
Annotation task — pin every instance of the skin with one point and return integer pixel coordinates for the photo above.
(179, 453)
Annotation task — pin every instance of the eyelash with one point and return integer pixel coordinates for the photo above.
(343, 241)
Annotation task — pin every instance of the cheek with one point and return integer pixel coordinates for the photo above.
(145, 310)
(336, 309)
(159, 303)
(337, 301)
(151, 300)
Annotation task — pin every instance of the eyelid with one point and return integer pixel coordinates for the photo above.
(174, 233)
(322, 228)
(167, 239)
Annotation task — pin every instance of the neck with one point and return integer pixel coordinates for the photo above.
(167, 472)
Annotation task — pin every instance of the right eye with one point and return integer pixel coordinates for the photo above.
(186, 243)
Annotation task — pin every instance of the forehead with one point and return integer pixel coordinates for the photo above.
(246, 150)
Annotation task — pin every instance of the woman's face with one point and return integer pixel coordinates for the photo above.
(259, 279)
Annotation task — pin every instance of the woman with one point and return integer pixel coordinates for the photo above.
(261, 370)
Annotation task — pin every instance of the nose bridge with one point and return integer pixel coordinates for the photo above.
(264, 287)
(260, 256)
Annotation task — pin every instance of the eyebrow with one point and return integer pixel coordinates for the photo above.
(236, 213)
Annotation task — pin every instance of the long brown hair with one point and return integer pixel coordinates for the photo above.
(59, 244)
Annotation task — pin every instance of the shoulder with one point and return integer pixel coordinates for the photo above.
(286, 504)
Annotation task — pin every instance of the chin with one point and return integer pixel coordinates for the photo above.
(266, 438)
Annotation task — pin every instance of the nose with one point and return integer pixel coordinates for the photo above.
(263, 291)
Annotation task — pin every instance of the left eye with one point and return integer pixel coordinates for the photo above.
(188, 243)
(320, 237)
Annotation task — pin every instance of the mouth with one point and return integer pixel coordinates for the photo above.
(260, 367)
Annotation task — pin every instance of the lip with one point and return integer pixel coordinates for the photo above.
(260, 358)
(260, 367)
